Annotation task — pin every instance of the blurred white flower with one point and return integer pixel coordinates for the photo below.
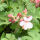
(19, 38)
(26, 24)
(28, 18)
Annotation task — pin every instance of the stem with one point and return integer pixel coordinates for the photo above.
(16, 28)
(7, 1)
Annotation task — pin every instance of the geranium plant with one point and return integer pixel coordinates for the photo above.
(24, 20)
(20, 19)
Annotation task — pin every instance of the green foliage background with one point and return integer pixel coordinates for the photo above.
(14, 7)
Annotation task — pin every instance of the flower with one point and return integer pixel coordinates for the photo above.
(10, 15)
(28, 18)
(26, 25)
(19, 38)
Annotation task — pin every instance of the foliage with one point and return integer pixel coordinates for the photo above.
(14, 7)
(8, 36)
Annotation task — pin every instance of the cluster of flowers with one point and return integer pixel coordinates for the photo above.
(24, 21)
(37, 2)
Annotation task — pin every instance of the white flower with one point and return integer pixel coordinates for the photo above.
(28, 25)
(28, 18)
(21, 23)
(19, 38)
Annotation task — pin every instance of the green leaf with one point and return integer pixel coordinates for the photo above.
(3, 6)
(3, 35)
(32, 35)
(4, 39)
(4, 18)
(8, 36)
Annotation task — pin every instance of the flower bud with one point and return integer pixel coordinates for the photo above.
(10, 20)
(19, 14)
(36, 1)
(37, 5)
(13, 21)
(25, 11)
(10, 15)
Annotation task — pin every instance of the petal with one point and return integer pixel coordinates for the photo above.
(25, 26)
(28, 18)
(25, 18)
(21, 23)
(28, 25)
